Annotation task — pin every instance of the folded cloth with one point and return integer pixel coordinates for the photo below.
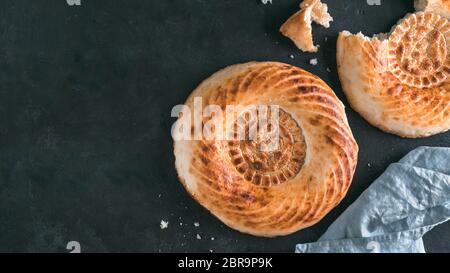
(405, 202)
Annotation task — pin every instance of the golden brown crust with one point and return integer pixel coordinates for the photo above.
(401, 84)
(300, 182)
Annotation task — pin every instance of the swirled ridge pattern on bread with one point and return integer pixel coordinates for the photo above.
(271, 193)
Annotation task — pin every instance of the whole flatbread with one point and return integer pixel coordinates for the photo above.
(276, 192)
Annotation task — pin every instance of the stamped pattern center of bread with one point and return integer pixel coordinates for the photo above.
(270, 168)
(418, 50)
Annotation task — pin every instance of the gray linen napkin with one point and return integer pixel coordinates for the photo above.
(405, 202)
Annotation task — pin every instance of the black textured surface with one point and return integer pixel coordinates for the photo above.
(85, 100)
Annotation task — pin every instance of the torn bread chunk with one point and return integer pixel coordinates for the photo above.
(319, 12)
(298, 29)
(298, 26)
(440, 7)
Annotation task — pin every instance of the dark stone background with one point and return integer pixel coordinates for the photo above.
(85, 100)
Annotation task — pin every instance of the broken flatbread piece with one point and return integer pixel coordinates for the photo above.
(298, 29)
(319, 12)
(298, 26)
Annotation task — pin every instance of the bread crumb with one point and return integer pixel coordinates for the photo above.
(328, 70)
(313, 62)
(211, 250)
(265, 2)
(291, 56)
(196, 224)
(164, 224)
(212, 239)
(198, 237)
